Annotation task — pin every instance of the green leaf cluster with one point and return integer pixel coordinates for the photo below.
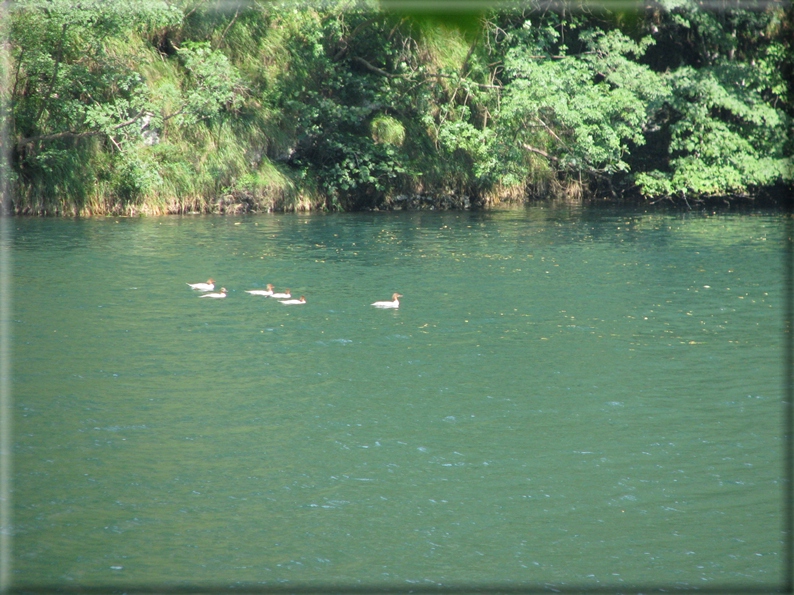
(161, 106)
(725, 139)
(581, 110)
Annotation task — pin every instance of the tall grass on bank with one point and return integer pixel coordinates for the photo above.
(356, 104)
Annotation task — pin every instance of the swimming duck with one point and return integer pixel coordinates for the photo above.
(266, 292)
(208, 286)
(282, 296)
(302, 300)
(222, 294)
(395, 303)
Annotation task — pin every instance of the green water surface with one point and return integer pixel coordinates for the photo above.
(564, 397)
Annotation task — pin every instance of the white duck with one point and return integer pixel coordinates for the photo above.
(222, 294)
(208, 286)
(266, 292)
(282, 296)
(395, 303)
(302, 300)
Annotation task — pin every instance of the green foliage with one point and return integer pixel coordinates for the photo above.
(385, 129)
(148, 107)
(469, 145)
(80, 77)
(725, 138)
(724, 120)
(341, 140)
(214, 82)
(65, 77)
(134, 175)
(579, 111)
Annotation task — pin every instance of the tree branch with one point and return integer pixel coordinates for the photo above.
(226, 30)
(352, 35)
(551, 132)
(464, 69)
(58, 56)
(381, 72)
(540, 152)
(72, 134)
(16, 74)
(377, 70)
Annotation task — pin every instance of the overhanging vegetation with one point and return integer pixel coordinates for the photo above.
(173, 107)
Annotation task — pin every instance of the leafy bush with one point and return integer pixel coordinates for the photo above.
(346, 104)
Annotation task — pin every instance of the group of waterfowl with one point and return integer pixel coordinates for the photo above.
(283, 297)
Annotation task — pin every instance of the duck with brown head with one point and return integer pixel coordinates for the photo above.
(394, 303)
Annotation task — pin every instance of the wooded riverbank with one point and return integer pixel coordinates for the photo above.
(171, 107)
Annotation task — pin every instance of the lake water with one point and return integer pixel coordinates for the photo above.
(565, 398)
